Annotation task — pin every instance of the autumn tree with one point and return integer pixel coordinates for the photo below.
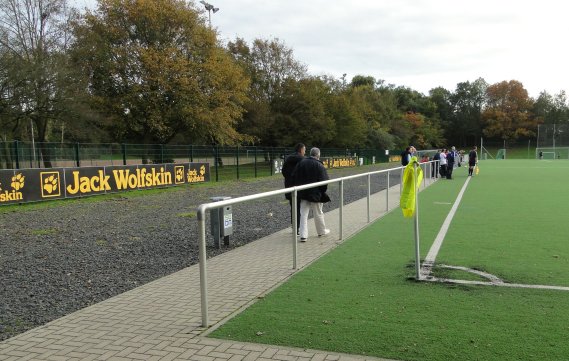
(155, 70)
(36, 86)
(508, 113)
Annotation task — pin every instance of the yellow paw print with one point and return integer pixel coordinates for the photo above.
(179, 174)
(50, 184)
(202, 170)
(18, 181)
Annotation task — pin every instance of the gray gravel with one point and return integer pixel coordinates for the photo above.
(55, 260)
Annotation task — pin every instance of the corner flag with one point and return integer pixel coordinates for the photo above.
(407, 201)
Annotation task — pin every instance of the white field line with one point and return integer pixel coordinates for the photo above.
(429, 261)
(432, 255)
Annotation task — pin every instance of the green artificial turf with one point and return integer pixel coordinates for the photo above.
(362, 298)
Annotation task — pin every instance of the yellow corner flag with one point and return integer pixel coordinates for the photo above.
(407, 201)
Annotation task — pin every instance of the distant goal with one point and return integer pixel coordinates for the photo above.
(552, 153)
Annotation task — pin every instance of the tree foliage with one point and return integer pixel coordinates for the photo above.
(155, 70)
(508, 112)
(35, 81)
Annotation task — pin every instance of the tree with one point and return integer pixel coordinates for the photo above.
(468, 101)
(508, 113)
(552, 109)
(36, 85)
(270, 64)
(301, 114)
(155, 70)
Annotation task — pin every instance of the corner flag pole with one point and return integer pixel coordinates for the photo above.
(417, 255)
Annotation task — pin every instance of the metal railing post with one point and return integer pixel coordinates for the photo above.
(203, 268)
(341, 210)
(368, 197)
(417, 254)
(295, 220)
(387, 194)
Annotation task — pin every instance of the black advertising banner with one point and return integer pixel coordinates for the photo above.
(9, 193)
(85, 181)
(29, 185)
(340, 162)
(123, 178)
(198, 173)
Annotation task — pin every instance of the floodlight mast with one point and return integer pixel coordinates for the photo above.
(209, 7)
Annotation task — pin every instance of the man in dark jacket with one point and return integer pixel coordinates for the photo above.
(311, 170)
(288, 168)
(435, 165)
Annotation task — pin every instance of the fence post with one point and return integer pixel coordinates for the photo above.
(162, 153)
(191, 153)
(77, 161)
(215, 162)
(237, 161)
(255, 162)
(17, 151)
(123, 148)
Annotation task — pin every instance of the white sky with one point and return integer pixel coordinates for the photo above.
(420, 44)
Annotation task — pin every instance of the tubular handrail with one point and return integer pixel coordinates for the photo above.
(201, 212)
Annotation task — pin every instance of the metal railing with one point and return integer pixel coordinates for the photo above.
(203, 208)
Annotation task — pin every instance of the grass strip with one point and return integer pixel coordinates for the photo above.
(361, 299)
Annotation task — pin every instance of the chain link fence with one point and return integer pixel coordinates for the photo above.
(226, 162)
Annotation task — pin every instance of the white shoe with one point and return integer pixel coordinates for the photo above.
(326, 232)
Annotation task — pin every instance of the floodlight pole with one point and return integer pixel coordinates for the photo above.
(209, 7)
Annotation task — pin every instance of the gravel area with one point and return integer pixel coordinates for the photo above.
(57, 259)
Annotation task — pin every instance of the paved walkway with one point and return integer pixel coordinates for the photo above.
(162, 319)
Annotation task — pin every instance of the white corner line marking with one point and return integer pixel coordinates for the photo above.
(435, 248)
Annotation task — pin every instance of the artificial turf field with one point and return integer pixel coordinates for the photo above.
(361, 298)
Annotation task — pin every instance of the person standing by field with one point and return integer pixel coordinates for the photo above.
(472, 160)
(288, 168)
(311, 170)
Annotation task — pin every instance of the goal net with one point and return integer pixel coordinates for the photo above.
(552, 153)
(501, 154)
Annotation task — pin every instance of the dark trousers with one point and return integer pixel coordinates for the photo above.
(297, 212)
(449, 170)
(443, 170)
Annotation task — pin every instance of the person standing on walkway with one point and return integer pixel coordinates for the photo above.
(443, 163)
(311, 170)
(452, 157)
(472, 160)
(288, 168)
(435, 165)
(405, 156)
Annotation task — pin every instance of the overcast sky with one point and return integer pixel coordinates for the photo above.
(420, 44)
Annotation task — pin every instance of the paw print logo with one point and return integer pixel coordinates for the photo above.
(50, 184)
(202, 170)
(18, 181)
(179, 174)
